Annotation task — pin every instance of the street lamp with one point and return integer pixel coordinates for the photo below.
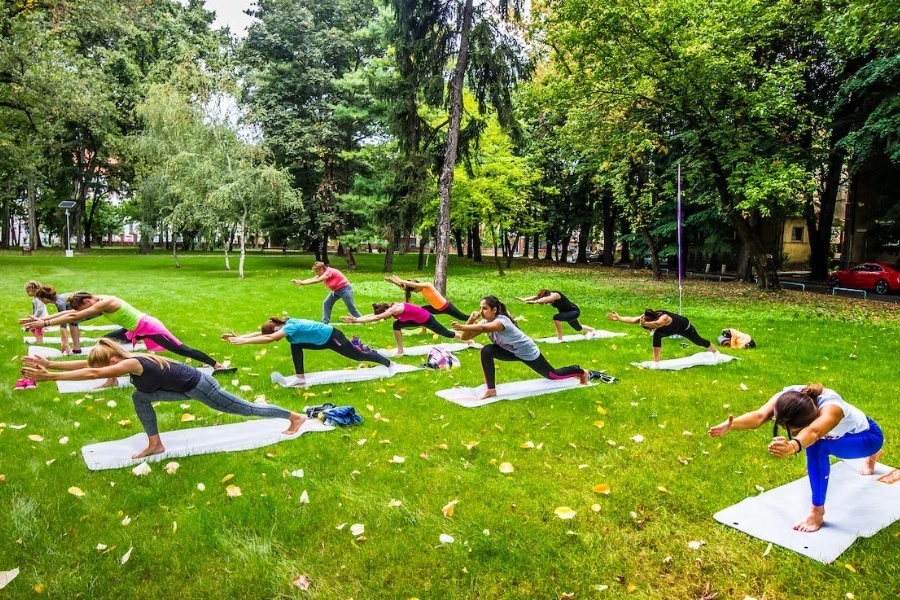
(67, 204)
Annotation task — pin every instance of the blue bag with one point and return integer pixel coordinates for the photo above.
(342, 416)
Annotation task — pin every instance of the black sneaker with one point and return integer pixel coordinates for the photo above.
(592, 375)
(602, 376)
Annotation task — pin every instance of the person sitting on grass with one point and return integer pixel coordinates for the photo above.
(568, 311)
(664, 324)
(510, 344)
(818, 419)
(732, 338)
(304, 334)
(155, 379)
(339, 287)
(406, 315)
(437, 304)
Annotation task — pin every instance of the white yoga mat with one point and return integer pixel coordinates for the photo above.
(92, 385)
(676, 364)
(109, 327)
(48, 352)
(856, 506)
(192, 441)
(424, 350)
(343, 376)
(469, 397)
(30, 339)
(597, 334)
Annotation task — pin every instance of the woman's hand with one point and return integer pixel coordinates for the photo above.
(36, 362)
(297, 281)
(612, 316)
(229, 336)
(722, 428)
(456, 326)
(349, 319)
(31, 323)
(36, 373)
(781, 447)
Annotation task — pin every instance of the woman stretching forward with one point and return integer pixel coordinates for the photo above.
(304, 334)
(135, 325)
(155, 379)
(437, 304)
(823, 423)
(407, 316)
(663, 324)
(568, 310)
(510, 344)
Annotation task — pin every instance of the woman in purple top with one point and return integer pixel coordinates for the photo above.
(407, 316)
(155, 379)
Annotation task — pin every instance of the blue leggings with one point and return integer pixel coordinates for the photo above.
(853, 445)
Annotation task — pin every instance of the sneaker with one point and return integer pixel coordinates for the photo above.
(592, 375)
(76, 351)
(20, 384)
(30, 384)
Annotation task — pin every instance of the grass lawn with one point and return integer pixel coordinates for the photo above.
(509, 543)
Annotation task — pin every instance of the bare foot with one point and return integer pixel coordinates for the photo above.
(588, 329)
(489, 393)
(399, 353)
(869, 467)
(111, 382)
(157, 448)
(559, 337)
(296, 421)
(813, 521)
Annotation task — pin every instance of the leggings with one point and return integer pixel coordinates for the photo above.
(570, 317)
(539, 365)
(690, 334)
(431, 324)
(168, 344)
(340, 344)
(448, 309)
(853, 445)
(209, 393)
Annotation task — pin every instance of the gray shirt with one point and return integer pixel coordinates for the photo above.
(512, 339)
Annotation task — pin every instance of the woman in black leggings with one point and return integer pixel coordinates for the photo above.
(567, 311)
(304, 334)
(663, 324)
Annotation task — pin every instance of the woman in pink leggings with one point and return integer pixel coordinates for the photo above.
(407, 316)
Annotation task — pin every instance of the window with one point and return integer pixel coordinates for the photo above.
(796, 234)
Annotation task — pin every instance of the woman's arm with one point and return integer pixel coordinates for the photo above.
(106, 304)
(662, 321)
(529, 299)
(405, 283)
(546, 299)
(253, 338)
(614, 316)
(43, 363)
(829, 417)
(309, 281)
(751, 420)
(476, 328)
(394, 309)
(130, 366)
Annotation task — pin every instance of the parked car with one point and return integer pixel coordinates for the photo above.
(881, 277)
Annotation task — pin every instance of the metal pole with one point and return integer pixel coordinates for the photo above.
(678, 228)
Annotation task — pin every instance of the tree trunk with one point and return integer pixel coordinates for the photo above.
(654, 253)
(609, 230)
(457, 234)
(324, 258)
(422, 242)
(476, 244)
(510, 252)
(389, 252)
(348, 256)
(583, 235)
(563, 256)
(537, 246)
(767, 275)
(174, 251)
(4, 214)
(243, 245)
(446, 178)
(470, 247)
(496, 256)
(626, 247)
(230, 246)
(525, 246)
(32, 214)
(819, 226)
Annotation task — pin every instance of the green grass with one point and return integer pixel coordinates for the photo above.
(509, 543)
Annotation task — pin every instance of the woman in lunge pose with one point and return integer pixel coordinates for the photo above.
(407, 315)
(304, 334)
(437, 304)
(663, 324)
(823, 423)
(568, 311)
(510, 344)
(155, 379)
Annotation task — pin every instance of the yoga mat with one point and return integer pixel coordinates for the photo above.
(676, 364)
(597, 334)
(469, 397)
(47, 352)
(343, 376)
(424, 350)
(92, 385)
(30, 339)
(856, 506)
(86, 328)
(192, 441)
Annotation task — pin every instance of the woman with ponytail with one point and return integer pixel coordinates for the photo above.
(510, 344)
(406, 316)
(437, 304)
(304, 334)
(155, 379)
(819, 420)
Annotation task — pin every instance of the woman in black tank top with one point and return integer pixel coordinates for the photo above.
(568, 311)
(155, 379)
(663, 324)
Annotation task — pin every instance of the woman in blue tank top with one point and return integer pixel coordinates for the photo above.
(155, 379)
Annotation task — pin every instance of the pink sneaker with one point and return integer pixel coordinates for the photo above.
(30, 384)
(20, 384)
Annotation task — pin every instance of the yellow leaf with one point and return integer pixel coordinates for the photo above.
(850, 567)
(35, 438)
(599, 424)
(449, 509)
(394, 503)
(309, 394)
(233, 491)
(662, 489)
(75, 491)
(601, 410)
(442, 446)
(39, 588)
(602, 488)
(506, 468)
(565, 513)
(631, 587)
(125, 422)
(498, 427)
(470, 445)
(529, 444)
(186, 417)
(227, 477)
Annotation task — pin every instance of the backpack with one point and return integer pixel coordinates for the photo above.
(341, 415)
(439, 358)
(314, 412)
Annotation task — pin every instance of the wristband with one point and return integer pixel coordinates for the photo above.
(799, 445)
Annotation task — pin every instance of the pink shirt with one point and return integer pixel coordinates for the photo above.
(413, 314)
(334, 279)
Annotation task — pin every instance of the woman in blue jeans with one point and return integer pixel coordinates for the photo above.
(155, 379)
(823, 423)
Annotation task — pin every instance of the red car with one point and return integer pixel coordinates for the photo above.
(881, 277)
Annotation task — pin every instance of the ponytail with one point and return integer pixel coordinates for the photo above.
(272, 325)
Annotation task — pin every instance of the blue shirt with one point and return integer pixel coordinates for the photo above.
(304, 331)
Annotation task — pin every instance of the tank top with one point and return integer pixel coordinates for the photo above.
(434, 297)
(127, 317)
(678, 324)
(854, 420)
(512, 339)
(563, 304)
(413, 314)
(176, 377)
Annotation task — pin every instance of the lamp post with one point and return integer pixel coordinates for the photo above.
(67, 204)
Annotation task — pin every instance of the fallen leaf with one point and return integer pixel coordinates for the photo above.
(602, 488)
(233, 491)
(637, 438)
(595, 507)
(601, 410)
(394, 503)
(201, 487)
(446, 539)
(506, 468)
(39, 588)
(141, 469)
(126, 521)
(35, 438)
(449, 509)
(696, 545)
(111, 404)
(442, 446)
(600, 587)
(565, 513)
(341, 526)
(304, 498)
(297, 473)
(124, 422)
(599, 424)
(361, 441)
(397, 460)
(76, 492)
(662, 489)
(528, 444)
(498, 427)
(744, 387)
(7, 576)
(227, 477)
(357, 529)
(849, 567)
(302, 582)
(187, 417)
(101, 547)
(470, 445)
(172, 467)
(768, 549)
(50, 462)
(126, 556)
(567, 596)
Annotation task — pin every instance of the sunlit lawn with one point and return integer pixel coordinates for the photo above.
(632, 542)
